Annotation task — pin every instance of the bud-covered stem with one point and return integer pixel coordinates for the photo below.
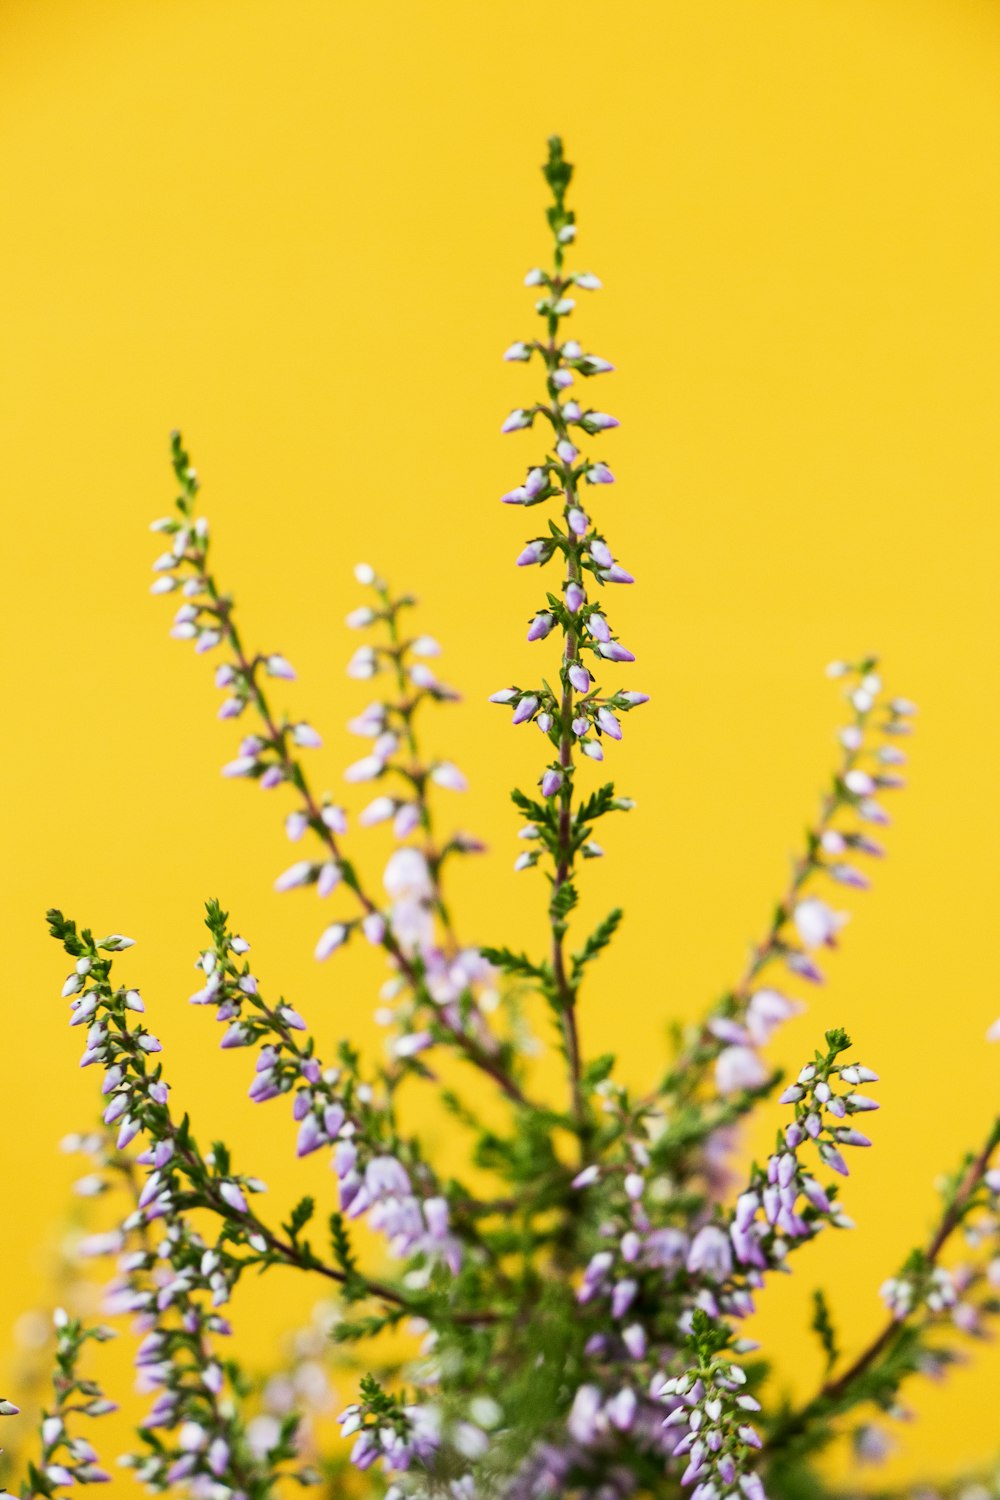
(839, 1393)
(191, 547)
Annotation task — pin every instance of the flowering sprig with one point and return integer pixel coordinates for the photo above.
(334, 1107)
(181, 1176)
(719, 1448)
(173, 1282)
(390, 723)
(783, 1204)
(65, 1458)
(804, 924)
(386, 1429)
(577, 715)
(270, 756)
(925, 1300)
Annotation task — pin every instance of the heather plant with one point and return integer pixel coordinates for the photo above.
(570, 1312)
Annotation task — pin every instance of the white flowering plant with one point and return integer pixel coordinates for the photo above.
(570, 1315)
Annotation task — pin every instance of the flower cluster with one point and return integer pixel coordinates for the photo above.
(64, 1457)
(332, 1106)
(567, 1315)
(719, 1445)
(805, 924)
(172, 1279)
(444, 988)
(967, 1294)
(783, 1203)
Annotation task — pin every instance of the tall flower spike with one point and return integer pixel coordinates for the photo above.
(579, 716)
(66, 1458)
(805, 924)
(270, 757)
(333, 1108)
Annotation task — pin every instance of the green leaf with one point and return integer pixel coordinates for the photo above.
(597, 1070)
(596, 805)
(509, 962)
(597, 941)
(300, 1216)
(822, 1326)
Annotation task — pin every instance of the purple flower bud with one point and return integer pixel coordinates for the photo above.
(787, 1167)
(518, 419)
(854, 1073)
(218, 1456)
(609, 723)
(551, 782)
(583, 1417)
(817, 1197)
(631, 1246)
(296, 875)
(615, 574)
(566, 451)
(540, 626)
(525, 709)
(305, 736)
(230, 1193)
(710, 1254)
(614, 651)
(623, 1294)
(310, 1136)
(447, 775)
(333, 937)
(244, 765)
(600, 474)
(833, 1159)
(535, 552)
(747, 1205)
(116, 1109)
(578, 520)
(277, 666)
(579, 677)
(599, 421)
(575, 597)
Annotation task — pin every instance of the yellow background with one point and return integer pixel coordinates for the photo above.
(297, 231)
